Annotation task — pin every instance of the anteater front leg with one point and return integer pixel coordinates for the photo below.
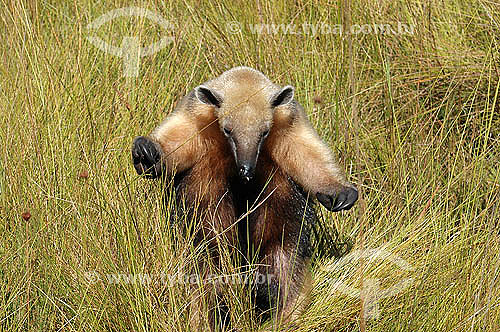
(172, 147)
(298, 150)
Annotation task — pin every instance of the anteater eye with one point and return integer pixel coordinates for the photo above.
(227, 132)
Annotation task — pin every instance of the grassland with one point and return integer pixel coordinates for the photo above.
(413, 118)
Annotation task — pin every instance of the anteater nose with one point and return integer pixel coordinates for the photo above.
(245, 172)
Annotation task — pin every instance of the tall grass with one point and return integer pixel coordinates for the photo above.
(427, 128)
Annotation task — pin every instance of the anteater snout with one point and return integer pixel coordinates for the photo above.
(246, 172)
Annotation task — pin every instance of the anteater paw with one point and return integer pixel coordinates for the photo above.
(340, 200)
(146, 156)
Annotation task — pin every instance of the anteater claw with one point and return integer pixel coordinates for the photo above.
(146, 156)
(342, 200)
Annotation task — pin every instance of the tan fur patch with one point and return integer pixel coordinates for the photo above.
(301, 153)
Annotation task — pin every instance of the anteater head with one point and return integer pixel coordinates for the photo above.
(245, 103)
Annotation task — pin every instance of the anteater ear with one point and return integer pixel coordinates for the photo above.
(207, 96)
(283, 97)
